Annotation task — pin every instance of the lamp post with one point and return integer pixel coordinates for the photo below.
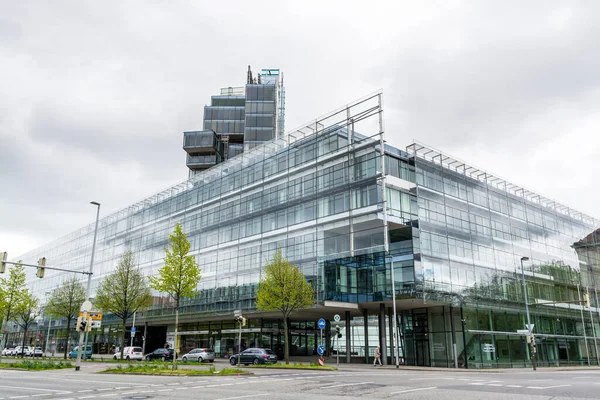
(89, 285)
(48, 335)
(531, 339)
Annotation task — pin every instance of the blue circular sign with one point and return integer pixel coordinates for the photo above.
(321, 323)
(321, 350)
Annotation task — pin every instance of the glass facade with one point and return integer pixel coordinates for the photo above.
(360, 219)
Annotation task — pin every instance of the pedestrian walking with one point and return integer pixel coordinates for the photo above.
(377, 356)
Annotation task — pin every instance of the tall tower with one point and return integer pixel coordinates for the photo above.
(237, 120)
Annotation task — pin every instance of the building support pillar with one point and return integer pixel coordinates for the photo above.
(366, 327)
(453, 328)
(382, 335)
(348, 337)
(391, 329)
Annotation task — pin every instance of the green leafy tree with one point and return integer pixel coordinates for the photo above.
(124, 292)
(179, 276)
(65, 302)
(27, 315)
(13, 295)
(283, 288)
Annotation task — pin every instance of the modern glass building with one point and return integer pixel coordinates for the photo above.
(367, 224)
(237, 120)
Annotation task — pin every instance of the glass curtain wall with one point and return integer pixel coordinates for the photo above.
(474, 230)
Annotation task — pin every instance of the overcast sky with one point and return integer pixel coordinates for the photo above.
(94, 96)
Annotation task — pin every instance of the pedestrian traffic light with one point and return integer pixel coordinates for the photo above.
(338, 331)
(41, 270)
(3, 258)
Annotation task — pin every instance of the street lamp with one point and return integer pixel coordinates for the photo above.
(529, 327)
(89, 285)
(49, 325)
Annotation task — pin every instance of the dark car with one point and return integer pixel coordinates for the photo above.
(254, 356)
(160, 354)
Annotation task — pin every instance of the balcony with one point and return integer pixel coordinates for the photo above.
(202, 161)
(200, 142)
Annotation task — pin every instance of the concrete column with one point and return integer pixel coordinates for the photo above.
(382, 341)
(348, 337)
(366, 326)
(391, 329)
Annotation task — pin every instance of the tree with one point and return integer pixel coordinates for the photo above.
(284, 288)
(65, 302)
(13, 294)
(179, 276)
(124, 292)
(27, 315)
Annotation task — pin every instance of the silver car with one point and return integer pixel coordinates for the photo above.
(199, 355)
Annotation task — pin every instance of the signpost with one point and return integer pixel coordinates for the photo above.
(336, 318)
(321, 349)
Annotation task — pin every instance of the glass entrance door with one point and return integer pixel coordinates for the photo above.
(422, 350)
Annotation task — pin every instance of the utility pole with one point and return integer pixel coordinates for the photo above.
(532, 349)
(87, 305)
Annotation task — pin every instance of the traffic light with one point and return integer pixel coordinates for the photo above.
(3, 258)
(586, 300)
(82, 324)
(338, 331)
(41, 270)
(88, 325)
(241, 320)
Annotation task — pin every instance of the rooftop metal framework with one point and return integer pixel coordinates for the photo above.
(352, 113)
(437, 157)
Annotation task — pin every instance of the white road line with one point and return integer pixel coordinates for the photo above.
(18, 397)
(87, 397)
(85, 391)
(546, 387)
(514, 386)
(107, 395)
(423, 379)
(495, 384)
(242, 397)
(344, 384)
(40, 390)
(414, 390)
(104, 389)
(41, 394)
(166, 390)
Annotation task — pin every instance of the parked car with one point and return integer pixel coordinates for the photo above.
(254, 356)
(130, 353)
(199, 355)
(160, 354)
(87, 353)
(9, 351)
(35, 352)
(20, 350)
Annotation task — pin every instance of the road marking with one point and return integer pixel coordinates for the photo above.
(18, 397)
(514, 386)
(85, 391)
(422, 379)
(40, 390)
(87, 397)
(166, 390)
(104, 389)
(495, 384)
(344, 384)
(546, 387)
(414, 390)
(242, 397)
(41, 394)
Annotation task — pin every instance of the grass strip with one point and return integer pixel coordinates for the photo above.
(157, 369)
(35, 365)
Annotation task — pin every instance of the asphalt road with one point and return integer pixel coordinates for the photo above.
(356, 382)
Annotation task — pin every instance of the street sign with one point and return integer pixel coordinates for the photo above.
(321, 323)
(530, 327)
(96, 324)
(94, 315)
(86, 306)
(336, 317)
(321, 361)
(523, 331)
(321, 350)
(133, 330)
